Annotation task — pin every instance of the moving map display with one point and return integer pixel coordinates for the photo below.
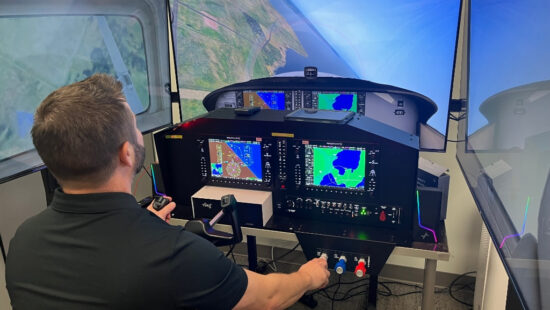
(336, 101)
(330, 166)
(240, 160)
(274, 100)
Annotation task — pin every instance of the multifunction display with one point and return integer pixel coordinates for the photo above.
(341, 101)
(340, 167)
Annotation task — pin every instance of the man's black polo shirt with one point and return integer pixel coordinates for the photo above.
(102, 251)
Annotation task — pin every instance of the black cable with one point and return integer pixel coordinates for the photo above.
(230, 251)
(2, 249)
(387, 292)
(143, 166)
(336, 292)
(454, 118)
(334, 284)
(451, 288)
(278, 258)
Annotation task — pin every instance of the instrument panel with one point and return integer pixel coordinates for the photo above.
(320, 171)
(397, 107)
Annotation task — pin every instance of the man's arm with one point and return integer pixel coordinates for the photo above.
(279, 291)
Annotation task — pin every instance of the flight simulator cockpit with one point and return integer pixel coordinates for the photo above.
(312, 115)
(312, 128)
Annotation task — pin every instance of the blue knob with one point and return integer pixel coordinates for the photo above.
(340, 266)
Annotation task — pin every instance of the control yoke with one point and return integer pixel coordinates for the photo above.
(204, 227)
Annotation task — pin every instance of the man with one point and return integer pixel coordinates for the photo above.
(94, 248)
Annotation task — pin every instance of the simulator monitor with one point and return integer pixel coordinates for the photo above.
(406, 45)
(507, 137)
(48, 45)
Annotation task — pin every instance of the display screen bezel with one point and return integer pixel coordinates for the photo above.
(367, 147)
(315, 94)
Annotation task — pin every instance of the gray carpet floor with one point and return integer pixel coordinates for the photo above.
(393, 294)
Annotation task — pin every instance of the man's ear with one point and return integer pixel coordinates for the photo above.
(126, 154)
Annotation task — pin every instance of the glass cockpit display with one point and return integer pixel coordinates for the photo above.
(237, 160)
(274, 100)
(335, 101)
(339, 167)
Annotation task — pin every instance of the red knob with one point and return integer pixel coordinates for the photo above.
(360, 269)
(382, 216)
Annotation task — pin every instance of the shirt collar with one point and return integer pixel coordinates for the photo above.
(92, 203)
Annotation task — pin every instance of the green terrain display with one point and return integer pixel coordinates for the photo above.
(41, 54)
(337, 167)
(224, 42)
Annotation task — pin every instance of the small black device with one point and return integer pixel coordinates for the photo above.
(310, 72)
(160, 202)
(247, 110)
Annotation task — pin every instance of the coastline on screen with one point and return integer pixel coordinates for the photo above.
(238, 160)
(274, 100)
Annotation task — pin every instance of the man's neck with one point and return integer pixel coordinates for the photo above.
(117, 183)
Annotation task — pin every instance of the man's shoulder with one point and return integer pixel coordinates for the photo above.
(33, 223)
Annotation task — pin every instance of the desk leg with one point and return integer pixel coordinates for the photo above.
(373, 287)
(252, 253)
(429, 284)
(2, 249)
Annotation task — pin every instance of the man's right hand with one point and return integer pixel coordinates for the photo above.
(316, 270)
(280, 291)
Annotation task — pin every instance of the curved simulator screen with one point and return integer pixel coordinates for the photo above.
(342, 167)
(274, 100)
(336, 101)
(239, 160)
(218, 43)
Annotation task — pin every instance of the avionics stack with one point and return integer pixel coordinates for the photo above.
(320, 167)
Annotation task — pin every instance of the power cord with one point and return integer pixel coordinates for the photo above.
(336, 291)
(262, 266)
(387, 292)
(230, 252)
(460, 117)
(451, 288)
